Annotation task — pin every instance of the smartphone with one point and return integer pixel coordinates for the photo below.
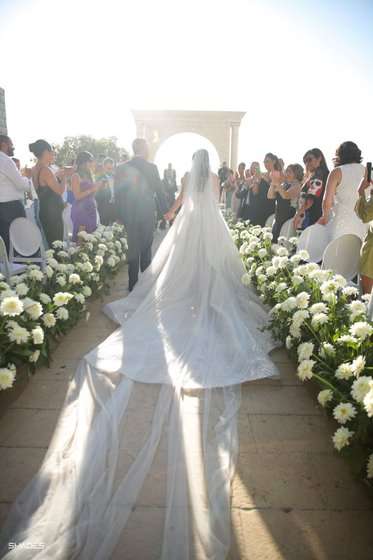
(369, 171)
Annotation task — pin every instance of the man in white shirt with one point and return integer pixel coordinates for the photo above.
(12, 189)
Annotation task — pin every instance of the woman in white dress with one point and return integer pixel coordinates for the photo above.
(191, 327)
(341, 192)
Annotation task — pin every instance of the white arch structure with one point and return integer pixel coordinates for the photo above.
(221, 128)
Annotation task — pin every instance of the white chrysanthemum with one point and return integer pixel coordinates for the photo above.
(368, 402)
(319, 319)
(282, 252)
(319, 276)
(305, 351)
(49, 320)
(87, 267)
(303, 255)
(327, 350)
(74, 279)
(342, 437)
(302, 300)
(289, 342)
(289, 304)
(271, 271)
(293, 240)
(275, 309)
(62, 298)
(281, 287)
(324, 397)
(36, 274)
(37, 335)
(22, 289)
(262, 253)
(329, 297)
(304, 370)
(259, 270)
(350, 291)
(280, 262)
(297, 280)
(7, 377)
(62, 313)
(347, 339)
(83, 235)
(370, 466)
(61, 280)
(361, 387)
(262, 278)
(357, 309)
(99, 261)
(242, 251)
(34, 356)
(57, 244)
(344, 371)
(49, 271)
(330, 286)
(245, 279)
(300, 316)
(80, 298)
(344, 412)
(52, 263)
(267, 236)
(34, 309)
(295, 331)
(88, 292)
(295, 259)
(361, 330)
(44, 298)
(18, 334)
(358, 365)
(318, 308)
(11, 306)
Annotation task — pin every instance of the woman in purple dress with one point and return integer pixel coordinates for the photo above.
(84, 208)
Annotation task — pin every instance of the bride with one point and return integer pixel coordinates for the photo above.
(191, 331)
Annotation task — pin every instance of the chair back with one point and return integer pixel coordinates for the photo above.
(25, 237)
(4, 262)
(287, 229)
(270, 220)
(314, 240)
(342, 255)
(370, 307)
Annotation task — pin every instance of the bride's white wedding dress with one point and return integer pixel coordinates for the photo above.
(193, 328)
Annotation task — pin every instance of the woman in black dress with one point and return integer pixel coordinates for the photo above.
(49, 191)
(285, 192)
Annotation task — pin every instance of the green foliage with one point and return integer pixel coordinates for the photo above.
(72, 145)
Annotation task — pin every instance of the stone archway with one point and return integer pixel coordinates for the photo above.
(220, 127)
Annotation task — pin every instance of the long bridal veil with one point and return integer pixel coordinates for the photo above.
(153, 408)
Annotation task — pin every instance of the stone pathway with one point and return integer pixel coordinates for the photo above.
(293, 498)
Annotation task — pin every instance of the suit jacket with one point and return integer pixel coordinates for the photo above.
(136, 185)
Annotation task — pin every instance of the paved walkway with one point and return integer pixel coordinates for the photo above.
(294, 498)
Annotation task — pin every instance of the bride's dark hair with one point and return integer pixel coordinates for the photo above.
(201, 164)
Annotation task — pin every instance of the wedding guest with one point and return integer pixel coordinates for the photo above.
(340, 193)
(105, 196)
(84, 207)
(170, 190)
(49, 191)
(223, 174)
(312, 191)
(252, 176)
(260, 207)
(229, 187)
(364, 210)
(285, 194)
(12, 189)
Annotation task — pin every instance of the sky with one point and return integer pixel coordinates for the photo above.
(300, 69)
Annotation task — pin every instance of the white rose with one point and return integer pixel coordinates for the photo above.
(11, 306)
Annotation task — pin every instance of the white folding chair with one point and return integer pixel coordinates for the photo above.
(7, 268)
(269, 221)
(342, 255)
(287, 229)
(67, 224)
(26, 240)
(314, 240)
(370, 307)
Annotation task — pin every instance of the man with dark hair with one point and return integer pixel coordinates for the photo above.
(223, 175)
(136, 185)
(105, 196)
(12, 189)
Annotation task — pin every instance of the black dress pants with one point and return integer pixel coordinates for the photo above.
(9, 211)
(141, 262)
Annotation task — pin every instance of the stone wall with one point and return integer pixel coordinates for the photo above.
(3, 127)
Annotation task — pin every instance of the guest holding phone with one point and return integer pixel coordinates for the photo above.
(84, 207)
(285, 190)
(364, 210)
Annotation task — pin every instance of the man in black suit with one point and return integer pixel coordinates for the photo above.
(136, 185)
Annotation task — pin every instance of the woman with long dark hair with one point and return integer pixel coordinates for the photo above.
(313, 189)
(260, 207)
(285, 193)
(340, 193)
(49, 190)
(84, 207)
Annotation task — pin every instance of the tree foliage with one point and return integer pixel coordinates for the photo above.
(72, 145)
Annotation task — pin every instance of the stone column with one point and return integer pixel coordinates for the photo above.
(234, 145)
(3, 127)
